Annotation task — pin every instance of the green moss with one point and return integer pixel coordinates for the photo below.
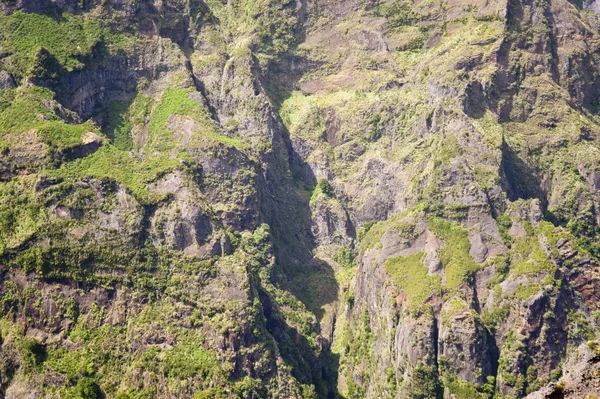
(412, 276)
(456, 260)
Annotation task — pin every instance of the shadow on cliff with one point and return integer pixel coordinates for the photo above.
(288, 184)
(518, 179)
(286, 208)
(298, 352)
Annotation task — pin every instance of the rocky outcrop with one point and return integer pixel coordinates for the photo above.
(580, 376)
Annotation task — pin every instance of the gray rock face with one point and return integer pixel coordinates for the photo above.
(6, 81)
(580, 376)
(593, 5)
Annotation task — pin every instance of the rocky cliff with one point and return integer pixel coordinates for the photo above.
(299, 199)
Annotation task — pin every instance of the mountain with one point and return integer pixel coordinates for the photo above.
(299, 199)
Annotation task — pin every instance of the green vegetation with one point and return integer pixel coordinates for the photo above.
(511, 350)
(525, 291)
(456, 260)
(133, 173)
(424, 381)
(449, 149)
(398, 12)
(504, 225)
(187, 361)
(273, 31)
(409, 274)
(462, 389)
(69, 40)
(87, 363)
(248, 312)
(33, 353)
(492, 318)
(122, 116)
(19, 217)
(7, 96)
(536, 262)
(60, 136)
(322, 188)
(452, 211)
(372, 232)
(178, 102)
(86, 388)
(345, 257)
(358, 342)
(172, 102)
(25, 110)
(374, 128)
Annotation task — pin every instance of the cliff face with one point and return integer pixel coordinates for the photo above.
(359, 199)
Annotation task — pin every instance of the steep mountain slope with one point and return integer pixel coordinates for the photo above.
(342, 198)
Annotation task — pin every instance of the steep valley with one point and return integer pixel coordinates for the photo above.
(300, 199)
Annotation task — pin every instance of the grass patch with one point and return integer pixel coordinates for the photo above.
(120, 117)
(504, 225)
(69, 40)
(322, 188)
(456, 260)
(59, 135)
(409, 273)
(371, 235)
(133, 173)
(178, 102)
(525, 291)
(25, 110)
(20, 217)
